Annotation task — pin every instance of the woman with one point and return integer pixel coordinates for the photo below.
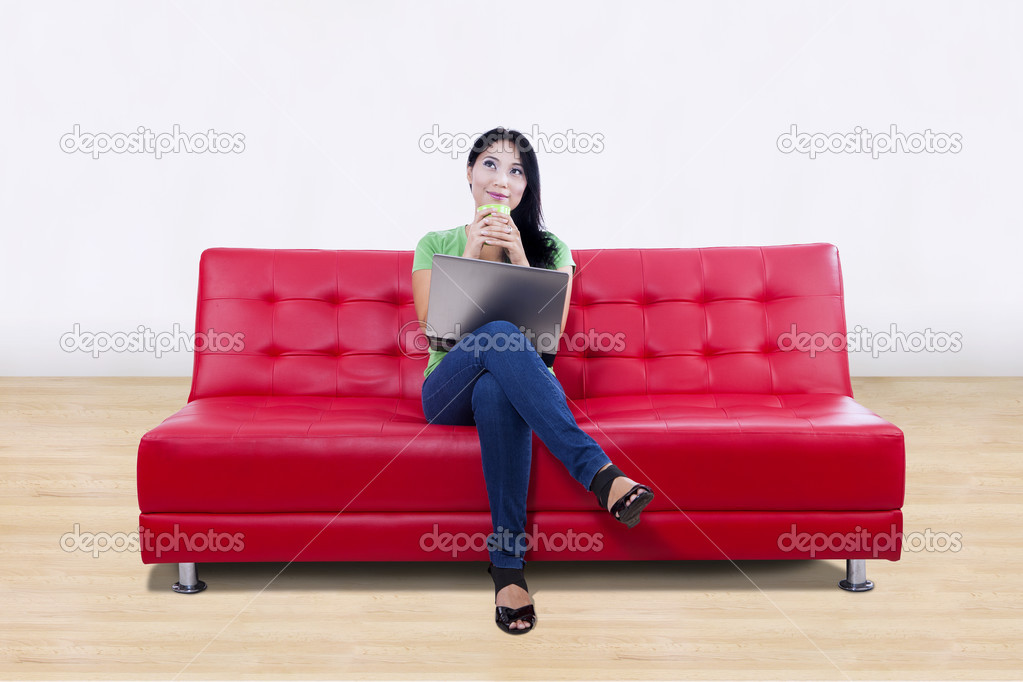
(507, 391)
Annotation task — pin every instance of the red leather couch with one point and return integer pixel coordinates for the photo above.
(721, 380)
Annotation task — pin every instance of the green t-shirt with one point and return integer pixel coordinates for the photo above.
(452, 243)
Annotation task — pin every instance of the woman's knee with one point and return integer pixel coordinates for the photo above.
(488, 391)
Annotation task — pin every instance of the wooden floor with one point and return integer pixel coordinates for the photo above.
(68, 449)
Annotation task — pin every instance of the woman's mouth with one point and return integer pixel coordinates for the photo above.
(498, 197)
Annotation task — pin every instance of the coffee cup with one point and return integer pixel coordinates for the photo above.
(495, 208)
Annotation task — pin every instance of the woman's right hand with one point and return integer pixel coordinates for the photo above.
(476, 247)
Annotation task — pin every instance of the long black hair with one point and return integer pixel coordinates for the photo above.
(528, 215)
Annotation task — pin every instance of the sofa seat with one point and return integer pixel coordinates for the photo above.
(722, 452)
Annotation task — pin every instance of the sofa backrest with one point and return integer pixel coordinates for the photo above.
(712, 320)
(315, 322)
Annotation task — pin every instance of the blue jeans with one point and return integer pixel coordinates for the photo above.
(495, 379)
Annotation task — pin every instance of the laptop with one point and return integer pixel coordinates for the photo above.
(468, 292)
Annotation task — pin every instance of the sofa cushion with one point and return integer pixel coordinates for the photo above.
(246, 454)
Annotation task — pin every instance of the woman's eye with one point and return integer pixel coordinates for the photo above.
(489, 163)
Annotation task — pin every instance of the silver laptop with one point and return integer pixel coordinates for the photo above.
(468, 292)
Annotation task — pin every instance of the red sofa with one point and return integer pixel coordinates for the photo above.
(717, 375)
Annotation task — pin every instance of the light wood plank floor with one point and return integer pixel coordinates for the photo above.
(68, 450)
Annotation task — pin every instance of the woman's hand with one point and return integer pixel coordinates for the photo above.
(494, 233)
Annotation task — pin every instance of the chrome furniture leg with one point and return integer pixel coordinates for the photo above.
(856, 576)
(188, 580)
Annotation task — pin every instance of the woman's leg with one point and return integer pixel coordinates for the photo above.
(502, 350)
(506, 447)
(494, 378)
(461, 392)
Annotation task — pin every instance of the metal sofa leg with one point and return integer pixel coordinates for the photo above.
(856, 576)
(188, 580)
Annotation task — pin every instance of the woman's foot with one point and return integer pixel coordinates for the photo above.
(514, 597)
(619, 487)
(514, 612)
(620, 495)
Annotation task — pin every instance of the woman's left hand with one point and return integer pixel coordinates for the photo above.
(502, 231)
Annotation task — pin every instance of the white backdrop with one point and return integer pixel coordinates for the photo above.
(681, 104)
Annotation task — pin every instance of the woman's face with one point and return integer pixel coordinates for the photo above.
(497, 177)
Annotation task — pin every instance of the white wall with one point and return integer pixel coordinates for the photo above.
(333, 99)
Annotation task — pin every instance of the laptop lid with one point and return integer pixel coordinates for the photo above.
(466, 293)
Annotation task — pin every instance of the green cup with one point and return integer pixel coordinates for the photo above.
(495, 208)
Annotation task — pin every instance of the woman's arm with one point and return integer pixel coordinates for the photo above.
(421, 294)
(474, 248)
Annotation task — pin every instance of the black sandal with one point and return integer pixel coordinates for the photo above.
(601, 487)
(505, 616)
